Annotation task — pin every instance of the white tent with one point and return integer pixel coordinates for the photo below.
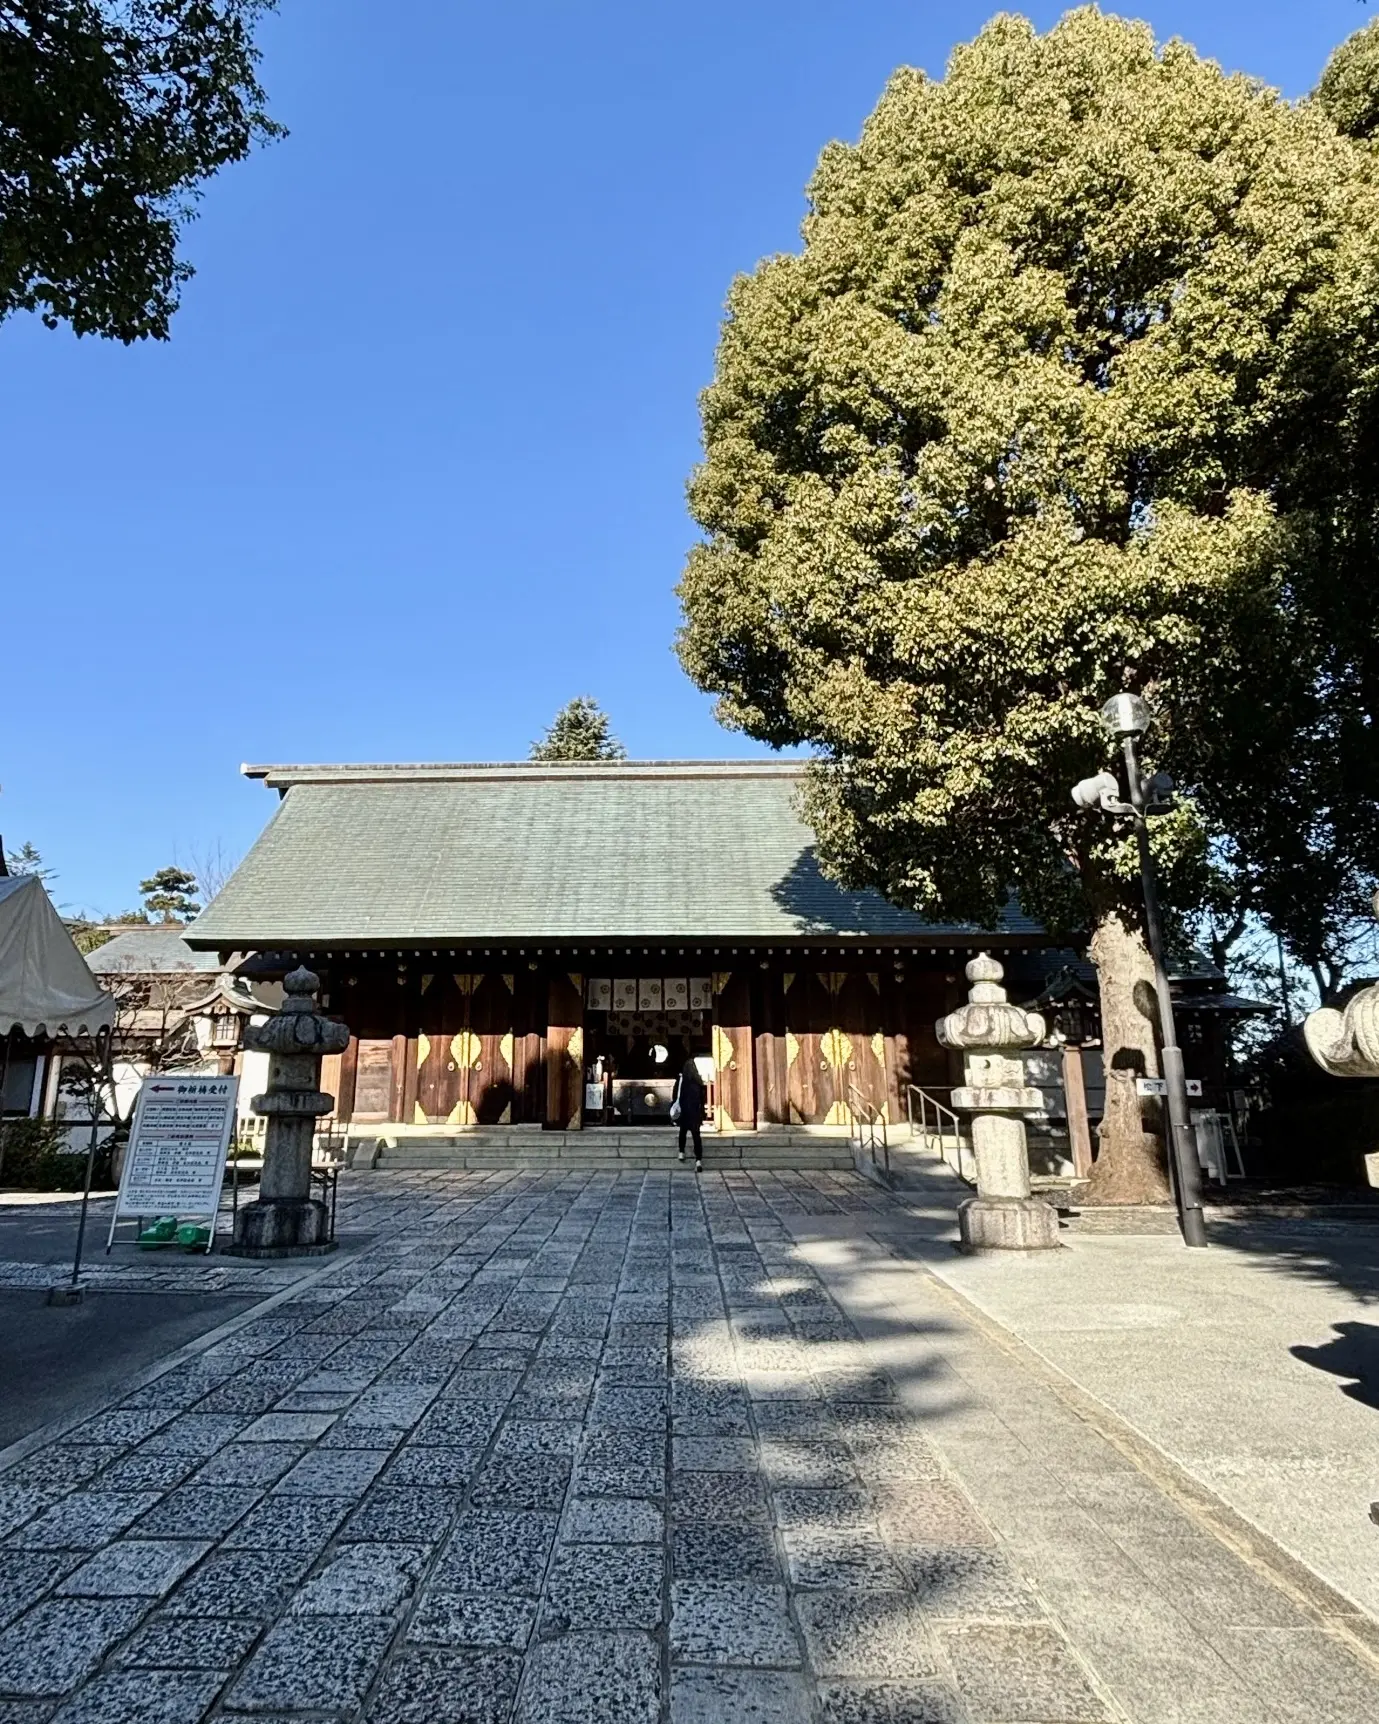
(46, 988)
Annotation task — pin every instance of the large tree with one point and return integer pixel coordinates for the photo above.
(112, 114)
(1069, 391)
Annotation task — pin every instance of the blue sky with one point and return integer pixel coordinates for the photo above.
(411, 470)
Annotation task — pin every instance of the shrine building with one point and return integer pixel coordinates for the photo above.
(523, 946)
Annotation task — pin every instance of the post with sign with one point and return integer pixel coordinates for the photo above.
(284, 1220)
(175, 1164)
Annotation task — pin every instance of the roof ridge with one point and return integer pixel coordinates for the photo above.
(283, 775)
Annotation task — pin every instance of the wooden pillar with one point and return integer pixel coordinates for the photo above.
(1075, 1098)
(344, 1097)
(565, 1053)
(732, 1051)
(398, 1092)
(771, 1077)
(894, 1027)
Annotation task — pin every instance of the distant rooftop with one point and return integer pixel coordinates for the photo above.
(145, 949)
(587, 850)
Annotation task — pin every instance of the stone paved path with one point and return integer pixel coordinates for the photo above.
(587, 1449)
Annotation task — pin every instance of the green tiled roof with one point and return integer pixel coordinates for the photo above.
(358, 855)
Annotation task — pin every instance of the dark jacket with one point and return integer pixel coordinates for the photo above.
(691, 1095)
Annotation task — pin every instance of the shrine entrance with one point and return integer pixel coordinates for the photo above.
(638, 1034)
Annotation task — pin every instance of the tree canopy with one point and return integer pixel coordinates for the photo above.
(172, 894)
(112, 114)
(581, 730)
(1071, 389)
(1348, 92)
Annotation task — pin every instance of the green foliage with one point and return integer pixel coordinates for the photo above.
(170, 894)
(112, 115)
(87, 936)
(32, 1159)
(27, 860)
(581, 730)
(1071, 389)
(1348, 92)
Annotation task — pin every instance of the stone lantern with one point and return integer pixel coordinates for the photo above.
(1346, 1042)
(990, 1032)
(284, 1220)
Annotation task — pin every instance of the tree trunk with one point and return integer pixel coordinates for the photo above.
(1130, 1166)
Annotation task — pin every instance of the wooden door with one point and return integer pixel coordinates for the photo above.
(565, 1053)
(491, 1030)
(733, 1052)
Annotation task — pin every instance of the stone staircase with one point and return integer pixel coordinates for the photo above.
(504, 1147)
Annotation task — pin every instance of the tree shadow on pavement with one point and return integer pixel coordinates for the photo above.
(1337, 1254)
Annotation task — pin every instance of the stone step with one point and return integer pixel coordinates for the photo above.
(572, 1154)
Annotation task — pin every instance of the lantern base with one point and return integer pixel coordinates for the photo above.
(1007, 1224)
(266, 1228)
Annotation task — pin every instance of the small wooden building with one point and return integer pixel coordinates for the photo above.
(546, 944)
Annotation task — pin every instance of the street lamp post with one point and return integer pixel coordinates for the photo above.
(1126, 718)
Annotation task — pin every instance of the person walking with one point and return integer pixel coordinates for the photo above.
(689, 1100)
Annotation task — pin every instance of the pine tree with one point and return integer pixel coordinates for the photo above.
(581, 730)
(171, 894)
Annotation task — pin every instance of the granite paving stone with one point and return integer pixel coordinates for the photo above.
(724, 1550)
(361, 1580)
(195, 1434)
(494, 1550)
(603, 1586)
(446, 1468)
(249, 1464)
(732, 1622)
(889, 1703)
(84, 1520)
(25, 1711)
(53, 1646)
(807, 1463)
(473, 1619)
(288, 1428)
(240, 1584)
(25, 1575)
(288, 1523)
(141, 1472)
(197, 1511)
(191, 1643)
(592, 1679)
(739, 1697)
(535, 1482)
(333, 1473)
(613, 1520)
(133, 1568)
(713, 1454)
(427, 1685)
(930, 1513)
(141, 1697)
(1019, 1675)
(876, 1635)
(719, 1496)
(522, 1437)
(309, 1664)
(955, 1582)
(844, 1556)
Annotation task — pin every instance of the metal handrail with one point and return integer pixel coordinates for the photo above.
(868, 1127)
(946, 1126)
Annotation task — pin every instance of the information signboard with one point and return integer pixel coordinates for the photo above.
(178, 1141)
